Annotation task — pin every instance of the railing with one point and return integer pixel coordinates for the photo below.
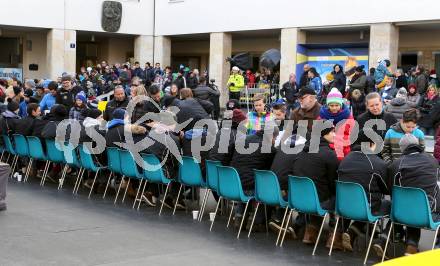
(270, 91)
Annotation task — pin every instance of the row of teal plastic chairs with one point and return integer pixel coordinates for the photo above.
(410, 206)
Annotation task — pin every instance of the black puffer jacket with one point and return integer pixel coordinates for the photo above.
(8, 122)
(31, 126)
(111, 106)
(282, 163)
(205, 93)
(290, 92)
(339, 80)
(321, 167)
(368, 170)
(190, 109)
(428, 111)
(218, 155)
(417, 169)
(246, 163)
(387, 117)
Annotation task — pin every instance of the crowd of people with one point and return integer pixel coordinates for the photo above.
(406, 104)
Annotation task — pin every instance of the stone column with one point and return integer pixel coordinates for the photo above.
(290, 38)
(61, 52)
(162, 50)
(143, 49)
(384, 44)
(220, 47)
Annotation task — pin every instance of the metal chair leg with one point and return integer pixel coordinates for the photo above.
(1, 157)
(388, 240)
(126, 189)
(93, 184)
(28, 170)
(119, 189)
(108, 182)
(253, 219)
(230, 215)
(285, 228)
(80, 180)
(333, 237)
(177, 200)
(242, 219)
(137, 193)
(76, 181)
(14, 164)
(142, 194)
(435, 237)
(371, 240)
(164, 197)
(282, 226)
(63, 175)
(43, 180)
(319, 234)
(202, 207)
(215, 213)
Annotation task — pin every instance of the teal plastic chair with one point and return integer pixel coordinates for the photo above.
(190, 174)
(10, 149)
(303, 197)
(87, 162)
(130, 170)
(211, 183)
(22, 150)
(153, 172)
(36, 152)
(410, 207)
(229, 187)
(352, 203)
(55, 155)
(114, 166)
(267, 192)
(70, 159)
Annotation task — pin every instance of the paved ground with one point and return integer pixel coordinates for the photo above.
(43, 226)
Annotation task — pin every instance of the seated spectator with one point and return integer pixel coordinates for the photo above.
(32, 124)
(120, 100)
(79, 107)
(92, 119)
(49, 98)
(308, 110)
(115, 128)
(58, 113)
(406, 125)
(171, 96)
(357, 102)
(398, 105)
(401, 81)
(428, 111)
(417, 169)
(321, 167)
(279, 113)
(370, 171)
(389, 91)
(258, 118)
(337, 110)
(413, 96)
(27, 98)
(10, 119)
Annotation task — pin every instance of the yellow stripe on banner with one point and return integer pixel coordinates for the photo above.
(336, 58)
(301, 58)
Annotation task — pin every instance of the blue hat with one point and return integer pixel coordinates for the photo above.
(118, 113)
(279, 102)
(81, 96)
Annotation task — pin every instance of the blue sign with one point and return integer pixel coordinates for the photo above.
(9, 73)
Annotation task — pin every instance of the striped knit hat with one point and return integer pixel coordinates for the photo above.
(335, 96)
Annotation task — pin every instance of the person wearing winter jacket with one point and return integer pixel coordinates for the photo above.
(308, 110)
(315, 81)
(421, 80)
(290, 91)
(80, 105)
(370, 171)
(57, 114)
(381, 73)
(357, 102)
(322, 168)
(359, 80)
(401, 81)
(389, 91)
(204, 92)
(9, 118)
(429, 110)
(375, 111)
(339, 79)
(416, 169)
(398, 105)
(413, 96)
(407, 125)
(32, 124)
(257, 119)
(337, 110)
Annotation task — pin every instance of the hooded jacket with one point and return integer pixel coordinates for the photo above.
(419, 170)
(397, 107)
(391, 149)
(321, 167)
(368, 170)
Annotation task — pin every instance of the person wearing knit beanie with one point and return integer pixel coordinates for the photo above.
(81, 96)
(335, 96)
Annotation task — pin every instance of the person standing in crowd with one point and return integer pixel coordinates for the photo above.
(413, 96)
(337, 110)
(357, 102)
(257, 119)
(381, 74)
(401, 81)
(235, 83)
(308, 110)
(39, 93)
(321, 167)
(49, 99)
(138, 72)
(375, 111)
(193, 80)
(120, 100)
(157, 70)
(315, 81)
(421, 80)
(339, 79)
(389, 91)
(76, 112)
(416, 169)
(359, 80)
(65, 95)
(371, 84)
(433, 79)
(428, 107)
(149, 72)
(397, 106)
(370, 171)
(304, 80)
(204, 92)
(289, 91)
(28, 98)
(250, 79)
(437, 145)
(406, 125)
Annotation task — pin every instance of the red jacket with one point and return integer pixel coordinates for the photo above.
(342, 138)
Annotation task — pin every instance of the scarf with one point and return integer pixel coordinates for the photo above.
(115, 122)
(256, 121)
(344, 113)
